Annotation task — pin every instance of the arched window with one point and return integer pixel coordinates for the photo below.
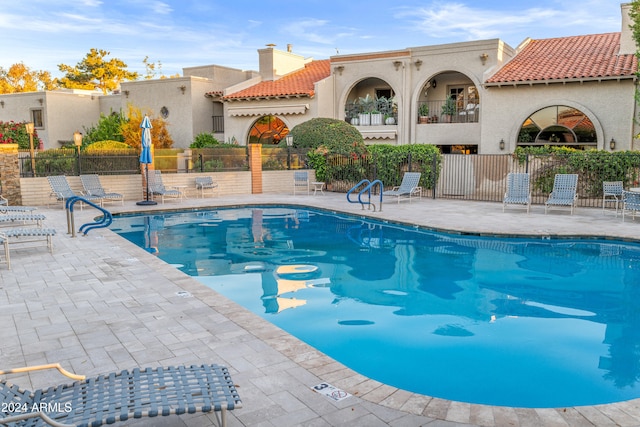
(558, 125)
(268, 130)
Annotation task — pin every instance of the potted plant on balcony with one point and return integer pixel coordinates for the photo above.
(423, 113)
(367, 104)
(448, 110)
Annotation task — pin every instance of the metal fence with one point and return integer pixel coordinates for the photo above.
(67, 161)
(484, 177)
(122, 162)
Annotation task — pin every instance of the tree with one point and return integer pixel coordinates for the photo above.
(20, 78)
(152, 69)
(132, 131)
(95, 72)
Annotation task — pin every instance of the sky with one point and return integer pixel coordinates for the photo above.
(174, 34)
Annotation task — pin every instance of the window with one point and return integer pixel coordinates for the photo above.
(36, 118)
(558, 125)
(268, 130)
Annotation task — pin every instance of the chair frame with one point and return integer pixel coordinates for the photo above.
(408, 189)
(612, 193)
(111, 398)
(564, 193)
(518, 191)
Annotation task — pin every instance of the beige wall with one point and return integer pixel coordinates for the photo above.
(36, 191)
(188, 108)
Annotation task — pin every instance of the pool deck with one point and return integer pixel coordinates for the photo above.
(100, 304)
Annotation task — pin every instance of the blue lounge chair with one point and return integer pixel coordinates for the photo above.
(612, 193)
(120, 396)
(630, 203)
(518, 191)
(93, 187)
(564, 193)
(61, 190)
(300, 181)
(409, 187)
(205, 183)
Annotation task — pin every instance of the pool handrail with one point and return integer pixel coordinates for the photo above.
(367, 190)
(104, 221)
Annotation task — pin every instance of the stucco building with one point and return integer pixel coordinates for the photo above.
(473, 97)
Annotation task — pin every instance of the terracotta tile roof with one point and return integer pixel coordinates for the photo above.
(297, 83)
(568, 58)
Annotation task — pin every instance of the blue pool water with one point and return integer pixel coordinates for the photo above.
(500, 321)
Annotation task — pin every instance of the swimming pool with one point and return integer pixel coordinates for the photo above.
(514, 322)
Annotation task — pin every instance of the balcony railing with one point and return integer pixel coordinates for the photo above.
(448, 111)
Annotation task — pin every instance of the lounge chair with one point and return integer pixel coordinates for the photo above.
(93, 187)
(20, 235)
(300, 181)
(611, 193)
(469, 113)
(21, 217)
(564, 193)
(6, 209)
(61, 190)
(630, 203)
(120, 396)
(157, 188)
(408, 188)
(204, 183)
(518, 191)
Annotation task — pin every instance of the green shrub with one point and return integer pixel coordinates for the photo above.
(333, 136)
(204, 140)
(108, 145)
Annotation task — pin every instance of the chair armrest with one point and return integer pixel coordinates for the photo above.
(34, 414)
(43, 367)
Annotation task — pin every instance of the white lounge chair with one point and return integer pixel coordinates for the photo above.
(93, 187)
(157, 188)
(564, 193)
(612, 193)
(408, 189)
(205, 183)
(300, 181)
(518, 191)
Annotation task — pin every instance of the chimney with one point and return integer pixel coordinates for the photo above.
(289, 47)
(627, 44)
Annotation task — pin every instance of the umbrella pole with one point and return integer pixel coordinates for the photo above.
(146, 201)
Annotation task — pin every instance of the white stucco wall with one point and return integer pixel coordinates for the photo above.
(609, 104)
